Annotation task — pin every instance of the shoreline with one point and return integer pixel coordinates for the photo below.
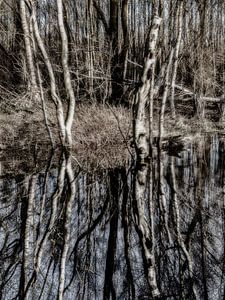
(102, 135)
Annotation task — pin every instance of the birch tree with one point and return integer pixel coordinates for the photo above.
(28, 47)
(66, 74)
(142, 153)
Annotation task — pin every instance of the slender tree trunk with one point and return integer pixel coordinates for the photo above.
(28, 47)
(175, 58)
(66, 74)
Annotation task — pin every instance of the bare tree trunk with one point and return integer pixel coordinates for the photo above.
(66, 74)
(114, 40)
(90, 47)
(44, 106)
(175, 58)
(118, 57)
(28, 47)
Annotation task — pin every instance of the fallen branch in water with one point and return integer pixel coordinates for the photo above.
(191, 93)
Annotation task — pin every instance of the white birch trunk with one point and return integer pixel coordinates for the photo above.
(28, 47)
(66, 74)
(44, 106)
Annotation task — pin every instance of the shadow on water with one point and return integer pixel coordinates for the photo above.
(67, 234)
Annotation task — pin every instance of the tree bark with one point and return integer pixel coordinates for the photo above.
(66, 74)
(28, 47)
(175, 58)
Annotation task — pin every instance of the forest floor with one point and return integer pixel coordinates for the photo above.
(102, 134)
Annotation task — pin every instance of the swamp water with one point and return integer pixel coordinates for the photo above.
(67, 234)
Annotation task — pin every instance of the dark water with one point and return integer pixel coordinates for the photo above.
(66, 234)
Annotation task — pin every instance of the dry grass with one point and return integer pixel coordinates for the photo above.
(101, 135)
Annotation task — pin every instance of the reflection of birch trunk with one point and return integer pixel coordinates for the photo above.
(109, 289)
(72, 186)
(176, 212)
(199, 198)
(27, 252)
(142, 152)
(40, 246)
(161, 193)
(126, 234)
(43, 202)
(151, 206)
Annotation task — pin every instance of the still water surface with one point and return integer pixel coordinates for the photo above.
(68, 234)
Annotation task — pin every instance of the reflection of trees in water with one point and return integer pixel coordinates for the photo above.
(69, 235)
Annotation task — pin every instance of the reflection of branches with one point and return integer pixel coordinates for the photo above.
(27, 251)
(109, 289)
(84, 234)
(180, 241)
(43, 201)
(40, 245)
(12, 267)
(56, 196)
(45, 279)
(125, 224)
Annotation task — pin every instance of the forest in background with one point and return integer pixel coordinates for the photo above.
(107, 43)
